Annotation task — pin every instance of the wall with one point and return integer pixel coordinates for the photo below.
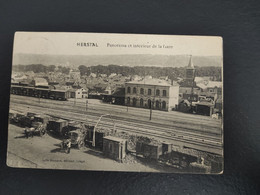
(173, 97)
(153, 97)
(81, 93)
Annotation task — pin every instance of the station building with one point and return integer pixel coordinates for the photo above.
(152, 93)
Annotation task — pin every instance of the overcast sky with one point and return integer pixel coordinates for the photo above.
(66, 44)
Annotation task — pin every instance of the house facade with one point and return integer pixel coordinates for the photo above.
(78, 93)
(152, 93)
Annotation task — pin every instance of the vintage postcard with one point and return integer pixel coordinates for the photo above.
(116, 102)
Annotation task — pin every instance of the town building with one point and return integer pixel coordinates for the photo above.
(74, 75)
(193, 87)
(78, 93)
(39, 82)
(16, 78)
(117, 97)
(108, 90)
(112, 75)
(93, 75)
(151, 93)
(210, 89)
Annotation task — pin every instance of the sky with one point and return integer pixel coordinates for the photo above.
(57, 43)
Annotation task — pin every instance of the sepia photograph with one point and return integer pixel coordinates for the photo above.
(116, 102)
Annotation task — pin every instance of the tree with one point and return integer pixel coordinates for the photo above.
(51, 68)
(83, 70)
(65, 70)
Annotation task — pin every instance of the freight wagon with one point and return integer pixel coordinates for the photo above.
(27, 91)
(57, 126)
(17, 90)
(59, 94)
(40, 92)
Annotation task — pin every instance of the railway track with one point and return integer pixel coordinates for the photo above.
(170, 129)
(185, 139)
(194, 119)
(177, 140)
(162, 129)
(158, 122)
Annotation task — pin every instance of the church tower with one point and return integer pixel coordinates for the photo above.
(190, 74)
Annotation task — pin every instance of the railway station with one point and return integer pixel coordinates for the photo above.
(154, 119)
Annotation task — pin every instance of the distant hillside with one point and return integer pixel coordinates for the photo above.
(124, 60)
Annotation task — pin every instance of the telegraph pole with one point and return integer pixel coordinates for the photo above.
(152, 102)
(150, 110)
(86, 105)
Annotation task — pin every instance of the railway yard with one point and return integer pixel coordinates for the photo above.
(195, 132)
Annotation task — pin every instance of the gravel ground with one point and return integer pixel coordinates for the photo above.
(44, 152)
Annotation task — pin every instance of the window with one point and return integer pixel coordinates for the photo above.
(164, 92)
(128, 89)
(141, 102)
(149, 92)
(142, 91)
(134, 90)
(158, 92)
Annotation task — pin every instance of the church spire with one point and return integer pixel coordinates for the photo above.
(190, 65)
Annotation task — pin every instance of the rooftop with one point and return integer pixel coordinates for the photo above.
(120, 92)
(151, 82)
(40, 80)
(210, 84)
(204, 104)
(117, 139)
(201, 79)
